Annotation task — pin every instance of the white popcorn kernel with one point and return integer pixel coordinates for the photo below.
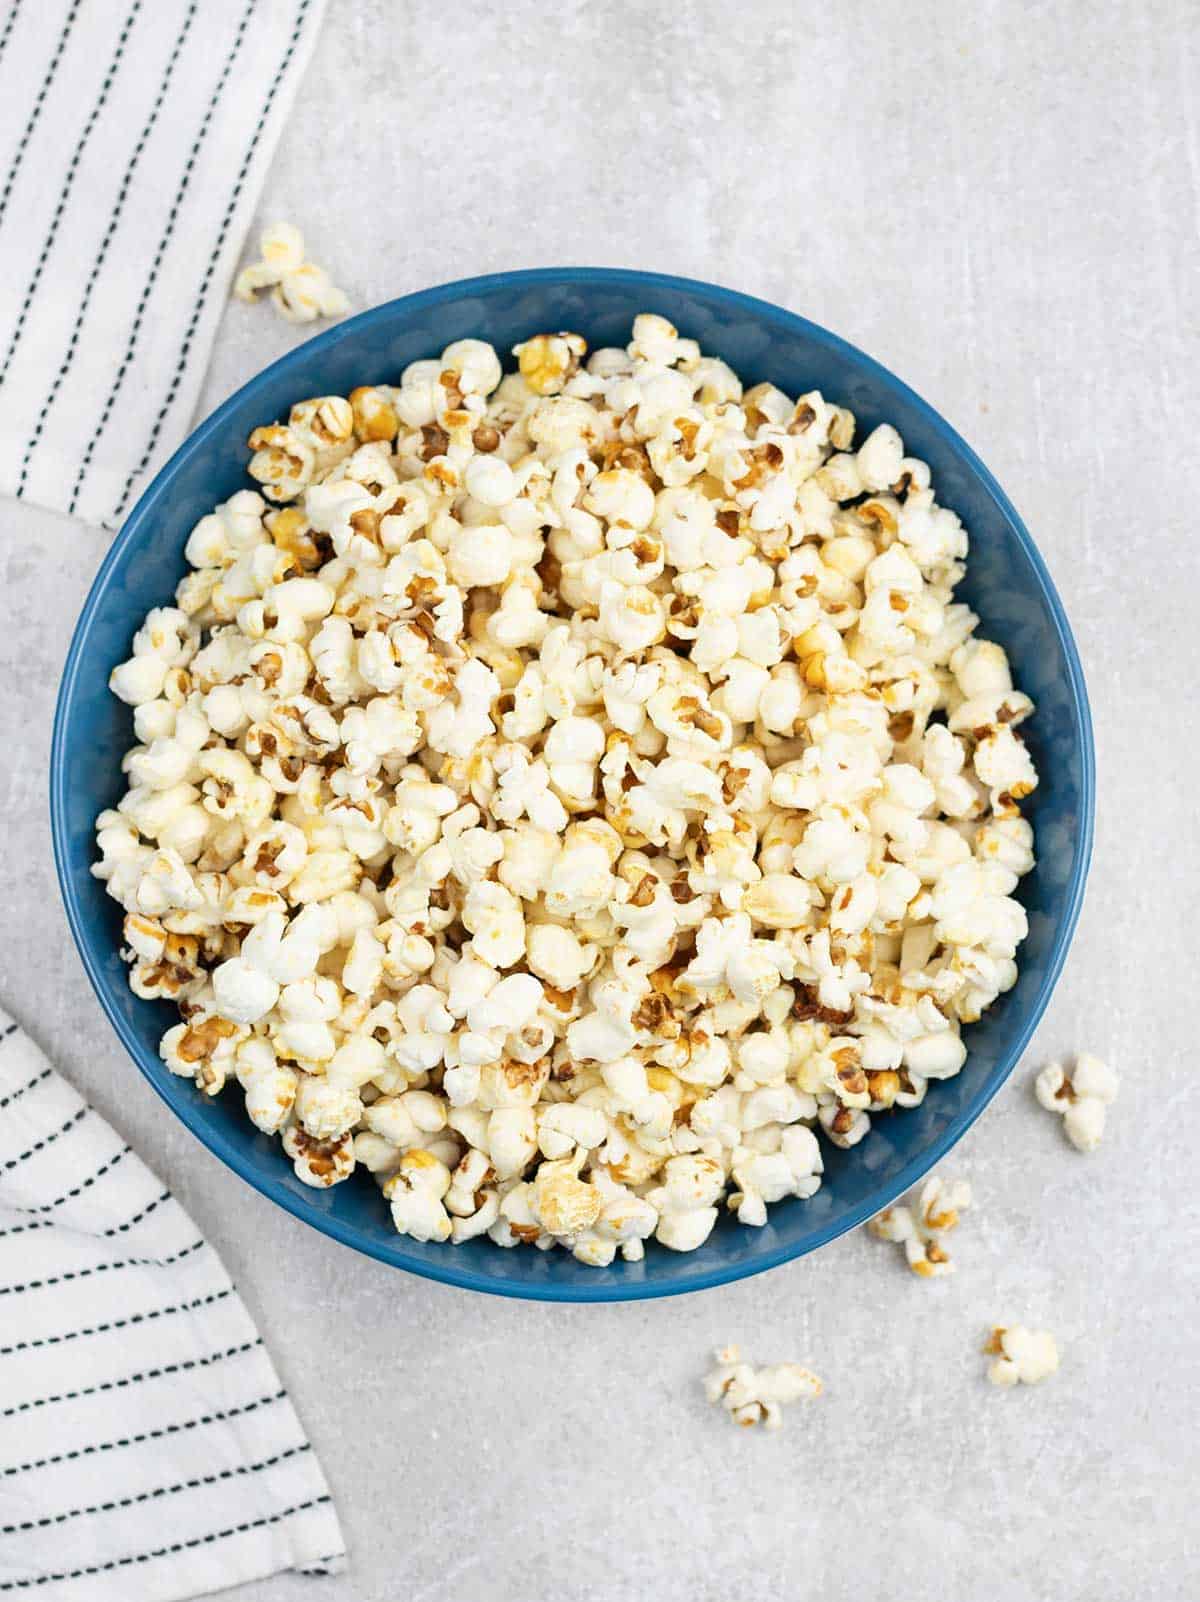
(1021, 1356)
(685, 1231)
(657, 341)
(564, 1127)
(879, 458)
(1082, 1098)
(621, 497)
(997, 710)
(510, 1004)
(166, 883)
(939, 1055)
(921, 1224)
(511, 1140)
(167, 633)
(582, 880)
(474, 364)
(458, 727)
(326, 1110)
(144, 936)
(631, 616)
(234, 526)
(1007, 841)
(1083, 1123)
(376, 1155)
(479, 1222)
(300, 292)
(319, 1163)
(1002, 762)
(573, 747)
(1093, 1078)
(1052, 1087)
(482, 555)
(324, 874)
(685, 1202)
(139, 680)
(981, 668)
(607, 1032)
(416, 1191)
(243, 992)
(270, 1085)
(753, 1395)
(497, 925)
(468, 1178)
(547, 360)
(281, 245)
(845, 1126)
(356, 1062)
(154, 720)
(490, 480)
(562, 1203)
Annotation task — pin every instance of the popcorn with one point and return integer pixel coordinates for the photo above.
(1082, 1099)
(416, 1191)
(319, 1163)
(243, 992)
(765, 1177)
(458, 728)
(685, 1201)
(574, 797)
(558, 956)
(757, 1395)
(300, 292)
(511, 1140)
(547, 360)
(563, 1204)
(1021, 1356)
(566, 1126)
(493, 915)
(920, 1225)
(270, 1085)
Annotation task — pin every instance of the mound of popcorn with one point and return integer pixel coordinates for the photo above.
(574, 797)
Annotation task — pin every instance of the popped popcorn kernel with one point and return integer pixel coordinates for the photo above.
(753, 1395)
(1082, 1098)
(547, 360)
(573, 800)
(921, 1223)
(299, 291)
(1020, 1356)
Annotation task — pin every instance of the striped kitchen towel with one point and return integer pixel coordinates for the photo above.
(134, 137)
(147, 1448)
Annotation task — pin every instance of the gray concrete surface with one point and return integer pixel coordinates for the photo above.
(1000, 202)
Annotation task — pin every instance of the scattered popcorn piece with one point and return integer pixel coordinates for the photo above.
(757, 1395)
(300, 291)
(1082, 1098)
(1021, 1356)
(921, 1222)
(574, 797)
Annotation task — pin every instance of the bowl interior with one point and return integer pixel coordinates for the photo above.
(1007, 585)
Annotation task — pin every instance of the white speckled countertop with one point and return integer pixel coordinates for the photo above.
(1001, 203)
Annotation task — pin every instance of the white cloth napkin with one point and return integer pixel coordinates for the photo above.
(134, 138)
(147, 1447)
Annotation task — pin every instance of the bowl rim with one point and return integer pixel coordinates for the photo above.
(454, 1271)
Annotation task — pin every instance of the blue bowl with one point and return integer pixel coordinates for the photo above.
(1007, 584)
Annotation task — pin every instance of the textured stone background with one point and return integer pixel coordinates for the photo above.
(1000, 202)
